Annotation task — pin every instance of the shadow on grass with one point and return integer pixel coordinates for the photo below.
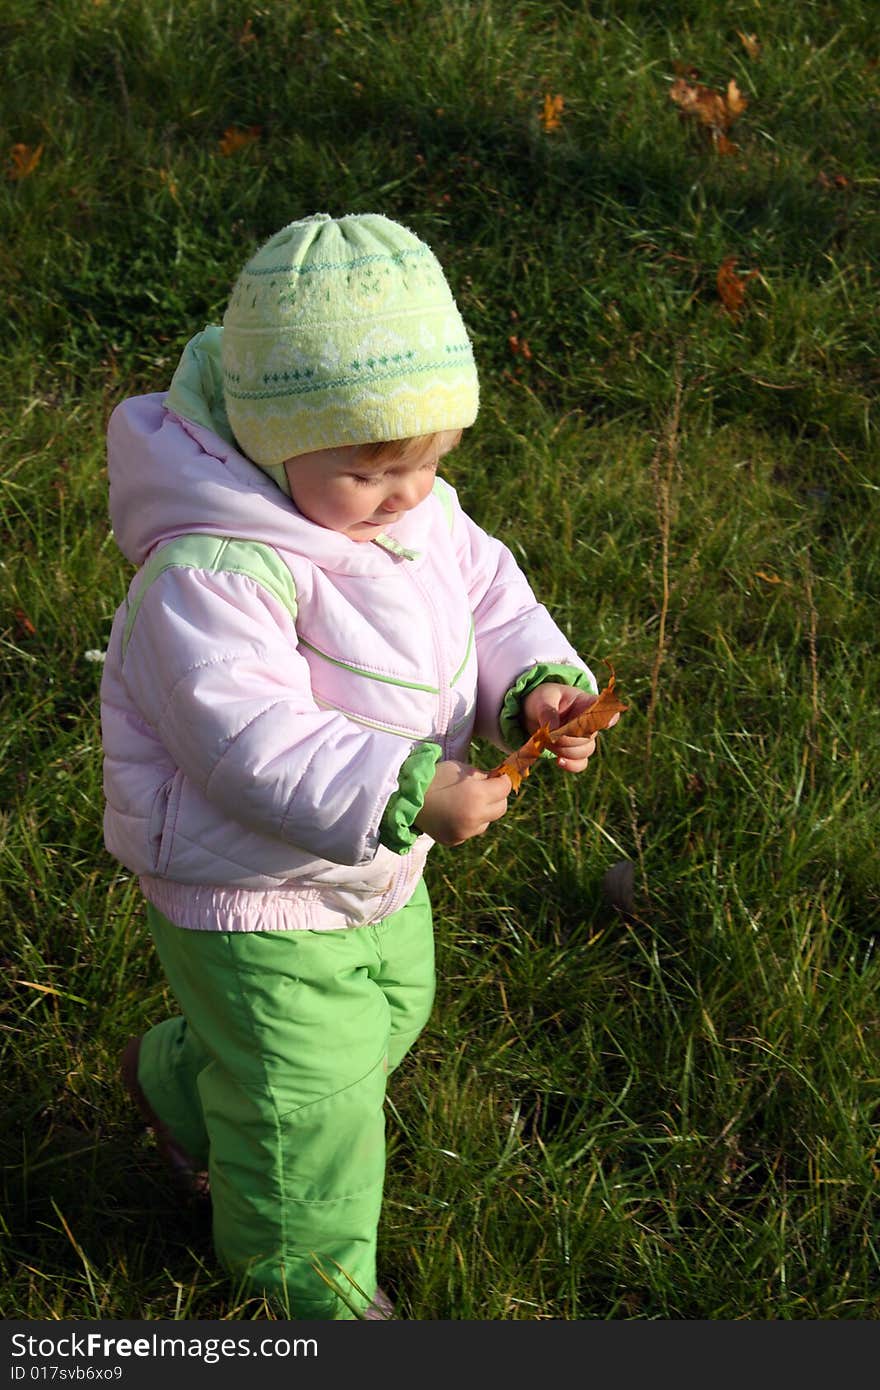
(97, 1222)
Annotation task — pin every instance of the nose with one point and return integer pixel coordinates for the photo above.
(406, 494)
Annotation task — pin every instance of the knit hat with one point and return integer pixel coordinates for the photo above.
(343, 331)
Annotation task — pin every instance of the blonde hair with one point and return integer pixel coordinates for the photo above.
(390, 450)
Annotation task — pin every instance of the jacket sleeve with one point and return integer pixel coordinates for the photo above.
(515, 635)
(213, 667)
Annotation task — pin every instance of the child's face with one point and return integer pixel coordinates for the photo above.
(345, 491)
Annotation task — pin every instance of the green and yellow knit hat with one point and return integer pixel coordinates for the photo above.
(343, 331)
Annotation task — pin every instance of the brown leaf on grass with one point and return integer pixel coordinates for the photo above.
(835, 181)
(732, 287)
(23, 161)
(23, 625)
(551, 115)
(734, 101)
(750, 43)
(715, 111)
(235, 139)
(519, 347)
(168, 179)
(518, 765)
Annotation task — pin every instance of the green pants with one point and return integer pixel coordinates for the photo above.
(274, 1078)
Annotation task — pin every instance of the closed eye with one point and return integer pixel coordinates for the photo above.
(365, 479)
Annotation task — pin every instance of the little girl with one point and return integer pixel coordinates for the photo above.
(315, 632)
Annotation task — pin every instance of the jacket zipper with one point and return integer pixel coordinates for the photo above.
(444, 715)
(444, 687)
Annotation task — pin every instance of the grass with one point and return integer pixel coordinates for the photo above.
(671, 1114)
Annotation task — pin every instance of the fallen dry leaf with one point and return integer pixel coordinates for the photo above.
(551, 115)
(734, 102)
(170, 183)
(716, 111)
(518, 765)
(835, 181)
(23, 161)
(234, 139)
(750, 43)
(732, 287)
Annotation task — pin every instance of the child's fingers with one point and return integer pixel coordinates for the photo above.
(573, 754)
(575, 748)
(496, 803)
(496, 788)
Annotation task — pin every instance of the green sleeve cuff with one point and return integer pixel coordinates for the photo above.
(512, 728)
(396, 830)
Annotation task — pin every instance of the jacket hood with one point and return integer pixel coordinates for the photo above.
(171, 476)
(196, 393)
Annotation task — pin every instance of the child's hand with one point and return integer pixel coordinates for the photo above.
(554, 705)
(461, 802)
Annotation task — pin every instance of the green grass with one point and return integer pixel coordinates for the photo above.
(667, 1115)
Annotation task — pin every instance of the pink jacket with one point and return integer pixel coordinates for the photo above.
(258, 704)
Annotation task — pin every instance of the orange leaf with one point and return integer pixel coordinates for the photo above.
(716, 111)
(750, 43)
(518, 765)
(24, 161)
(732, 287)
(552, 112)
(170, 183)
(234, 139)
(597, 717)
(836, 181)
(519, 346)
(696, 100)
(734, 101)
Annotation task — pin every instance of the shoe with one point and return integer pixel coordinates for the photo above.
(381, 1309)
(184, 1170)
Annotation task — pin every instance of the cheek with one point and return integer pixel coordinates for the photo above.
(424, 485)
(347, 497)
(327, 504)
